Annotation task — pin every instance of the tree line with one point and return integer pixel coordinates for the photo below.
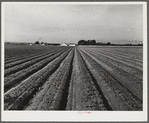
(91, 42)
(44, 43)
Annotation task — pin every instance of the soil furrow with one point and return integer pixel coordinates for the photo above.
(18, 62)
(50, 97)
(119, 96)
(14, 69)
(17, 95)
(15, 79)
(27, 52)
(125, 70)
(121, 51)
(12, 61)
(105, 101)
(134, 66)
(120, 57)
(85, 96)
(132, 86)
(26, 55)
(66, 90)
(117, 52)
(80, 78)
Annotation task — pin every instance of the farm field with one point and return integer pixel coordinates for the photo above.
(91, 78)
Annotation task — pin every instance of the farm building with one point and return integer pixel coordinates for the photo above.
(72, 44)
(63, 44)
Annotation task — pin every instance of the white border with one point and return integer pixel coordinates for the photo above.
(73, 115)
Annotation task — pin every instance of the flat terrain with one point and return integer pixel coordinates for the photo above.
(73, 78)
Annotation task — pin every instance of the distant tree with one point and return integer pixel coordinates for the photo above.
(94, 41)
(88, 42)
(42, 42)
(82, 42)
(37, 42)
(46, 43)
(108, 43)
(91, 42)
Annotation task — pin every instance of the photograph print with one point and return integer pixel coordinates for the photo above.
(83, 57)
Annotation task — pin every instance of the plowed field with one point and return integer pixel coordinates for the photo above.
(73, 78)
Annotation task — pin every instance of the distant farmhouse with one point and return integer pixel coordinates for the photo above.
(68, 44)
(72, 44)
(63, 44)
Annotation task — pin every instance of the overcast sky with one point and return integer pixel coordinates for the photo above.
(71, 23)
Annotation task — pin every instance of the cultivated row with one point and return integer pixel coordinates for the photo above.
(18, 96)
(119, 91)
(18, 76)
(79, 78)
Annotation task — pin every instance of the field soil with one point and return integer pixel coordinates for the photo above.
(73, 78)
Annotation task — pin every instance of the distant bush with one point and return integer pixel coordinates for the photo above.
(82, 42)
(89, 42)
(108, 43)
(42, 43)
(37, 42)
